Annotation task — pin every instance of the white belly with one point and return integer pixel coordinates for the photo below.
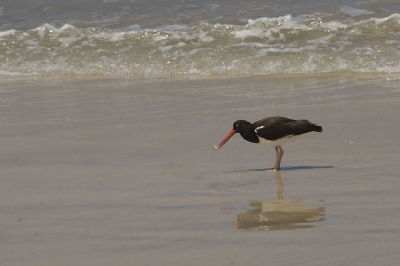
(278, 142)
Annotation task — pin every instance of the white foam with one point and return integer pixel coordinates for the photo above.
(354, 12)
(285, 44)
(159, 38)
(394, 16)
(174, 27)
(45, 27)
(67, 27)
(6, 33)
(333, 25)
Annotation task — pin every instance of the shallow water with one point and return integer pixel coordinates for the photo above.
(200, 38)
(122, 171)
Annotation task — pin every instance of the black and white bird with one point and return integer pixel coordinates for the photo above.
(274, 131)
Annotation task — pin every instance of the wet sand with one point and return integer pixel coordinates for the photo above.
(123, 172)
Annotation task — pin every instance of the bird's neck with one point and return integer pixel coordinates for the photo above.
(249, 135)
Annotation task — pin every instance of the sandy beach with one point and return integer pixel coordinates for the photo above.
(122, 171)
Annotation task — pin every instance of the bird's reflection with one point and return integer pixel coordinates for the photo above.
(280, 214)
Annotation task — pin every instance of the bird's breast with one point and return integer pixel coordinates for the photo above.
(278, 142)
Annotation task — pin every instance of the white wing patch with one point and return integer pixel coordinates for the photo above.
(258, 128)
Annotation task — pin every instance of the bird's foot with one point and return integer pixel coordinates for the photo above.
(273, 170)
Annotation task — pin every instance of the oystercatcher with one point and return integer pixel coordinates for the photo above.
(274, 131)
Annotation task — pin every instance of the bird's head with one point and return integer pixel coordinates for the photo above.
(240, 126)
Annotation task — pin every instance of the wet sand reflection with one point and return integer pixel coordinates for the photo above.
(280, 214)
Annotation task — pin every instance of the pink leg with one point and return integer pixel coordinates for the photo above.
(279, 155)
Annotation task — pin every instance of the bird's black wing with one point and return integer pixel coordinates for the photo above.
(273, 128)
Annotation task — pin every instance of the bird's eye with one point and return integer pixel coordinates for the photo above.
(237, 125)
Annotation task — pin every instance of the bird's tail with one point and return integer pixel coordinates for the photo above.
(315, 127)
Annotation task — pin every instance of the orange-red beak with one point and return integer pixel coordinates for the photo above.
(225, 140)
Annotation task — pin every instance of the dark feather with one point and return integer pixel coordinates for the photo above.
(274, 128)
